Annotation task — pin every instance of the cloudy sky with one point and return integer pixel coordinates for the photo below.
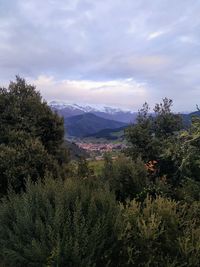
(113, 52)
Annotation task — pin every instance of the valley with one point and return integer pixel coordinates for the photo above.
(91, 131)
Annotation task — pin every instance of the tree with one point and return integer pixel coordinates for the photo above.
(22, 109)
(83, 170)
(166, 123)
(107, 171)
(31, 137)
(28, 160)
(154, 137)
(190, 165)
(140, 136)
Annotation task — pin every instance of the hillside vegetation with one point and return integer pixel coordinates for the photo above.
(110, 134)
(139, 209)
(88, 123)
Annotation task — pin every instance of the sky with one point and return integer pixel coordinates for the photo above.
(113, 52)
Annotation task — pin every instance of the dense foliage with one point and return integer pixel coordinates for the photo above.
(141, 208)
(126, 177)
(161, 232)
(58, 224)
(31, 137)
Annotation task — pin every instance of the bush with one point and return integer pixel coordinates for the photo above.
(126, 177)
(160, 232)
(189, 191)
(58, 224)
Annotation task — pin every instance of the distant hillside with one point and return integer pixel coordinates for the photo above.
(88, 123)
(187, 118)
(110, 134)
(75, 151)
(122, 116)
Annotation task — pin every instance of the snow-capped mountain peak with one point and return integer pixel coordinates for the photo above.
(67, 110)
(86, 108)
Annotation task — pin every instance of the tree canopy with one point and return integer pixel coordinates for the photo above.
(31, 136)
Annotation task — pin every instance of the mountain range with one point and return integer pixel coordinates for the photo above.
(111, 113)
(99, 121)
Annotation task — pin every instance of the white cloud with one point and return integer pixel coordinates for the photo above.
(122, 93)
(155, 34)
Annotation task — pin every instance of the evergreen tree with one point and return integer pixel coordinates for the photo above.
(83, 170)
(154, 138)
(31, 137)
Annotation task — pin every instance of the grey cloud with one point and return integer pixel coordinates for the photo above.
(156, 42)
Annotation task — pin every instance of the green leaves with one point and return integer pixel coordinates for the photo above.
(159, 232)
(125, 176)
(58, 224)
(31, 137)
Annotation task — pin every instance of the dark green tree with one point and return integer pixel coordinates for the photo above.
(31, 137)
(107, 171)
(166, 123)
(154, 138)
(83, 170)
(140, 136)
(190, 165)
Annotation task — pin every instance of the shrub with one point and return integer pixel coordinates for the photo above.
(58, 224)
(160, 232)
(189, 190)
(126, 177)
